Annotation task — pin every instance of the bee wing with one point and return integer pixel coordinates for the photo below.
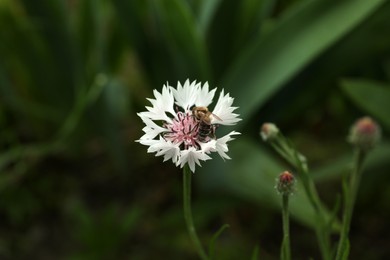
(217, 117)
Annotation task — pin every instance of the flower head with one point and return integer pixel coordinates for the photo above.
(187, 134)
(365, 133)
(285, 183)
(269, 131)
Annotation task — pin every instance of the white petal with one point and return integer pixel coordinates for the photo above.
(186, 95)
(208, 147)
(192, 156)
(166, 148)
(221, 145)
(162, 104)
(147, 142)
(168, 100)
(205, 97)
(224, 110)
(162, 147)
(151, 129)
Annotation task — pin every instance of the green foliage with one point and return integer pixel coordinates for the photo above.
(270, 61)
(73, 73)
(213, 240)
(370, 96)
(101, 234)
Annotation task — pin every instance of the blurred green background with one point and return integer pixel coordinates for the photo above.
(73, 74)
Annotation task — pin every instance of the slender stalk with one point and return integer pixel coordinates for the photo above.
(286, 251)
(349, 201)
(323, 240)
(321, 229)
(283, 147)
(187, 175)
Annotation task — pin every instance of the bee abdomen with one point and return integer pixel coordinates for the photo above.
(204, 132)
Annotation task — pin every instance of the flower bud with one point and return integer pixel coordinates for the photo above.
(285, 183)
(365, 133)
(269, 131)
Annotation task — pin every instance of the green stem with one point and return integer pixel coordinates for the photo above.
(322, 231)
(187, 174)
(283, 147)
(323, 240)
(286, 251)
(349, 202)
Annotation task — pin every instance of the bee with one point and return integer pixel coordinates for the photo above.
(205, 127)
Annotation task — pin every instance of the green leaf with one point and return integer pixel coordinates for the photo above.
(252, 14)
(137, 11)
(90, 36)
(298, 39)
(31, 65)
(50, 23)
(372, 97)
(207, 13)
(214, 239)
(345, 253)
(183, 39)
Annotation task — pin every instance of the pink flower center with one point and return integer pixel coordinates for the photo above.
(183, 130)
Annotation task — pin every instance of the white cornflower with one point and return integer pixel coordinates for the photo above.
(184, 136)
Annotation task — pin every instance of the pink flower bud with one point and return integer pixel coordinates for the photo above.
(269, 131)
(365, 133)
(285, 183)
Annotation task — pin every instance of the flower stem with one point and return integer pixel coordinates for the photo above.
(285, 250)
(187, 175)
(321, 228)
(349, 202)
(284, 148)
